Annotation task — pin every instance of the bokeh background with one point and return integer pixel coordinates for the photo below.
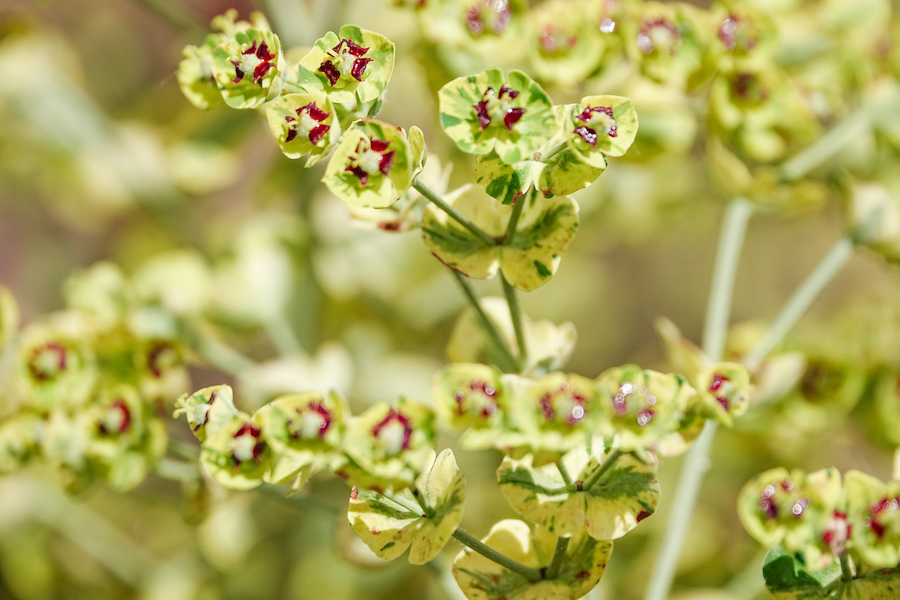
(102, 158)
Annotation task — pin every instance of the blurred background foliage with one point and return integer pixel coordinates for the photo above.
(102, 158)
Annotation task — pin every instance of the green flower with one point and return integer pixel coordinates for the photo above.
(305, 433)
(127, 437)
(565, 46)
(600, 126)
(724, 391)
(304, 124)
(237, 456)
(646, 410)
(249, 68)
(389, 446)
(424, 519)
(485, 112)
(470, 395)
(56, 362)
(874, 219)
(355, 64)
(799, 510)
(207, 410)
(195, 75)
(873, 519)
(544, 231)
(558, 412)
(20, 439)
(667, 42)
(482, 579)
(375, 163)
(624, 495)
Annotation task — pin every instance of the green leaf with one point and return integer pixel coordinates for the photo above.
(503, 181)
(788, 578)
(390, 524)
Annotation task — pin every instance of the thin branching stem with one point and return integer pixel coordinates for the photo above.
(602, 470)
(466, 538)
(457, 216)
(696, 462)
(559, 555)
(488, 326)
(515, 311)
(564, 473)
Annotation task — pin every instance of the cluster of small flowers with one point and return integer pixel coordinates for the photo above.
(86, 387)
(822, 520)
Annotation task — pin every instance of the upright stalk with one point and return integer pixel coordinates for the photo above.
(826, 147)
(488, 326)
(489, 553)
(798, 304)
(559, 555)
(696, 461)
(509, 291)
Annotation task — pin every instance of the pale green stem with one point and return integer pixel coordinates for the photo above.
(515, 311)
(559, 555)
(454, 214)
(798, 304)
(846, 569)
(184, 449)
(553, 151)
(514, 216)
(826, 147)
(602, 470)
(176, 470)
(564, 473)
(488, 325)
(731, 240)
(283, 338)
(696, 462)
(466, 538)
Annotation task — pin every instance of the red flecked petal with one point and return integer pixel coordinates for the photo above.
(318, 133)
(588, 135)
(330, 72)
(359, 67)
(314, 112)
(512, 117)
(386, 162)
(483, 117)
(379, 145)
(360, 174)
(239, 73)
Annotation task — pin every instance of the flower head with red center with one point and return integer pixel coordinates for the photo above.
(311, 421)
(345, 59)
(47, 361)
(307, 124)
(371, 157)
(255, 59)
(658, 35)
(597, 120)
(393, 433)
(487, 16)
(116, 419)
(247, 444)
(495, 107)
(555, 40)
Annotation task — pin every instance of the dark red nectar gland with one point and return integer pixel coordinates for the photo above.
(553, 39)
(494, 106)
(116, 420)
(394, 432)
(716, 385)
(480, 400)
(47, 361)
(247, 445)
(312, 421)
(160, 356)
(308, 123)
(371, 157)
(563, 405)
(347, 58)
(597, 120)
(258, 60)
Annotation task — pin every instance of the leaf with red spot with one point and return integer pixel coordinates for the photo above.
(352, 65)
(482, 579)
(249, 68)
(425, 520)
(625, 494)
